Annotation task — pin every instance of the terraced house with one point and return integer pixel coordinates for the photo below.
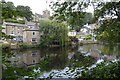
(26, 33)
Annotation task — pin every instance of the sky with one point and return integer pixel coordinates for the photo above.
(38, 6)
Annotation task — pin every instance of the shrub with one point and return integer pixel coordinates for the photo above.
(5, 46)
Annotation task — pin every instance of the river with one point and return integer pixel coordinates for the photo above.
(66, 62)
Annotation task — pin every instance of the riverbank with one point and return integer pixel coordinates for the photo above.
(15, 46)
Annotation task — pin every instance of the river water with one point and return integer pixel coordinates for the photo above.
(66, 62)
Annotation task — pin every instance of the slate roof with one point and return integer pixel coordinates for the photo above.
(14, 24)
(32, 29)
(31, 23)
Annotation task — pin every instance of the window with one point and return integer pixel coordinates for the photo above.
(11, 32)
(33, 61)
(33, 39)
(33, 53)
(33, 33)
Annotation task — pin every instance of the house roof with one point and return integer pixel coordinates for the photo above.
(32, 29)
(31, 23)
(14, 24)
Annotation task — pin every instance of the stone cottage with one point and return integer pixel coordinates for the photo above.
(26, 33)
(31, 33)
(14, 29)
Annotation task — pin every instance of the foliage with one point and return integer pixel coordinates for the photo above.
(24, 11)
(11, 71)
(110, 49)
(15, 72)
(87, 37)
(72, 13)
(109, 30)
(54, 33)
(26, 46)
(80, 60)
(9, 11)
(5, 46)
(57, 59)
(104, 70)
(108, 8)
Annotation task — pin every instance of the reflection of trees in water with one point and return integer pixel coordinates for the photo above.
(78, 60)
(99, 50)
(56, 58)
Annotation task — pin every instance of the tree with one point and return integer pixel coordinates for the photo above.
(71, 12)
(104, 70)
(54, 33)
(9, 11)
(109, 30)
(24, 11)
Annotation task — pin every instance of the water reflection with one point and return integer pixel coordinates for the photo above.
(25, 58)
(100, 51)
(64, 62)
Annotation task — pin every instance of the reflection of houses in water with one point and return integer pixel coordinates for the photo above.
(70, 55)
(28, 58)
(110, 57)
(90, 50)
(95, 51)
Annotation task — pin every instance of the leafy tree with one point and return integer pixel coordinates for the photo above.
(104, 70)
(70, 12)
(109, 30)
(54, 33)
(24, 11)
(9, 11)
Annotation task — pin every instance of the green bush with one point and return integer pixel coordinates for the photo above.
(25, 46)
(105, 70)
(5, 46)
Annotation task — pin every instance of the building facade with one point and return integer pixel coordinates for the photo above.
(26, 33)
(14, 29)
(31, 33)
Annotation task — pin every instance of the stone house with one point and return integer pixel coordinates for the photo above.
(26, 33)
(26, 58)
(14, 29)
(31, 33)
